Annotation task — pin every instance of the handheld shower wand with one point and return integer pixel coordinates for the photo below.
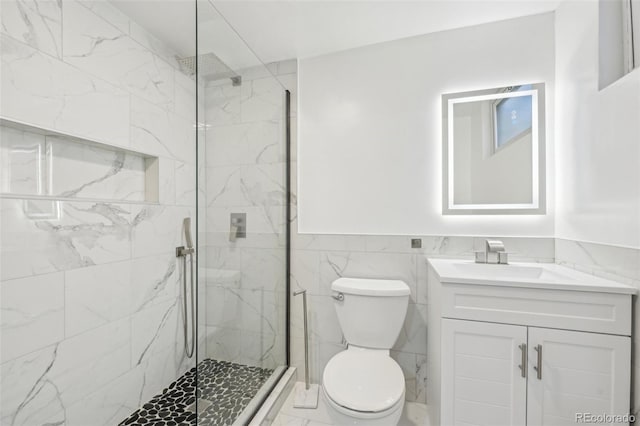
(183, 252)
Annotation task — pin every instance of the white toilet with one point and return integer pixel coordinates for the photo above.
(363, 385)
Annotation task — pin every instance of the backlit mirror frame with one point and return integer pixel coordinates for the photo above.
(538, 205)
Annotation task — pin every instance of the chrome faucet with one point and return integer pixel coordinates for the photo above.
(494, 253)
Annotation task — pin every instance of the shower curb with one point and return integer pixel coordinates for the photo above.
(275, 400)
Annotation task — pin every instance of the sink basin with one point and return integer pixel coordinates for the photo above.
(530, 275)
(508, 272)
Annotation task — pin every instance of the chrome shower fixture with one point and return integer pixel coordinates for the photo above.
(209, 67)
(183, 252)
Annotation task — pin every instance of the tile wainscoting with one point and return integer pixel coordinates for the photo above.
(616, 263)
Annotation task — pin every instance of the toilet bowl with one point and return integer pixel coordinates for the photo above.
(363, 385)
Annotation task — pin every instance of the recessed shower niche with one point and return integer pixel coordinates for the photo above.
(39, 163)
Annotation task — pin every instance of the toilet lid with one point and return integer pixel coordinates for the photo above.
(363, 380)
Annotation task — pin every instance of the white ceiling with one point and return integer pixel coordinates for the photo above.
(277, 30)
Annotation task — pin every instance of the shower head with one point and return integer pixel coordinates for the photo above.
(210, 68)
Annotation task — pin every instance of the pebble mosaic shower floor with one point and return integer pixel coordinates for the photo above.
(224, 390)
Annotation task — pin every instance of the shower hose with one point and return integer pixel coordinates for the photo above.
(188, 347)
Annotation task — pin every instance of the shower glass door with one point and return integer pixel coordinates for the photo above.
(242, 224)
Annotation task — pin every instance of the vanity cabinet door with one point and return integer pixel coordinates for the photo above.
(580, 373)
(482, 383)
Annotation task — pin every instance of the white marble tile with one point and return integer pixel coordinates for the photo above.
(110, 404)
(41, 384)
(287, 420)
(407, 363)
(36, 23)
(224, 257)
(32, 314)
(305, 271)
(251, 310)
(97, 295)
(185, 97)
(98, 172)
(448, 246)
(264, 184)
(22, 156)
(422, 296)
(154, 280)
(88, 361)
(95, 46)
(328, 242)
(222, 104)
(599, 259)
(166, 181)
(392, 244)
(28, 395)
(157, 229)
(154, 45)
(263, 269)
(226, 145)
(224, 187)
(413, 336)
(185, 183)
(223, 343)
(158, 131)
(261, 99)
(40, 90)
(247, 143)
(160, 370)
(77, 234)
(319, 415)
(265, 226)
(421, 379)
(156, 329)
(413, 414)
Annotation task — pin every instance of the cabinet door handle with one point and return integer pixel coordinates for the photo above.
(538, 368)
(523, 360)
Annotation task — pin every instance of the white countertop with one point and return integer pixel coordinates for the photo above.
(528, 275)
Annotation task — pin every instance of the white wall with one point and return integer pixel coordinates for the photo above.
(598, 138)
(370, 128)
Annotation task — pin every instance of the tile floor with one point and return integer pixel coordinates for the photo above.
(414, 414)
(224, 389)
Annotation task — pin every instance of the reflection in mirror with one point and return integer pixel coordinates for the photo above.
(493, 151)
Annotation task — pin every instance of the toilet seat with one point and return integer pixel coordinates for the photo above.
(364, 380)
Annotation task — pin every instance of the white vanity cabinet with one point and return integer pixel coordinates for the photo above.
(526, 348)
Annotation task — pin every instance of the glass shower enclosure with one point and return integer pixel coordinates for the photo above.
(144, 239)
(242, 222)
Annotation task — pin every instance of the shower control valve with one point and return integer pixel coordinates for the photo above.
(183, 251)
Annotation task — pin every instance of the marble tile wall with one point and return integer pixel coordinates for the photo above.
(319, 259)
(90, 306)
(617, 263)
(34, 164)
(245, 173)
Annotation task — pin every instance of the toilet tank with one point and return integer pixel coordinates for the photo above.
(372, 311)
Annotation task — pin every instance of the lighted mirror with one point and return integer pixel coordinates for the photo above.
(493, 144)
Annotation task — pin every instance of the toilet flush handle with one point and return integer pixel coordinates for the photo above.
(338, 296)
